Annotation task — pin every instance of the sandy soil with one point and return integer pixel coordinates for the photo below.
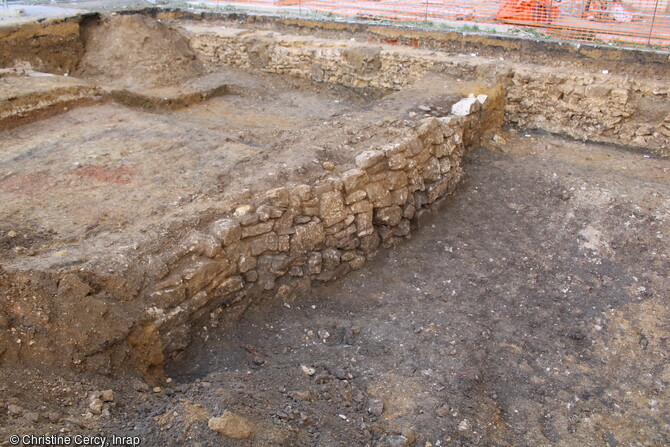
(532, 310)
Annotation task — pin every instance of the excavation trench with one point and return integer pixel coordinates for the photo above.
(160, 174)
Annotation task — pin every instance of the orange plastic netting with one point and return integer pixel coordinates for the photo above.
(621, 22)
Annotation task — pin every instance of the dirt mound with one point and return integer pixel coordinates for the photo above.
(137, 51)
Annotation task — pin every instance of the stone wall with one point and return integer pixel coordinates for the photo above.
(305, 233)
(601, 107)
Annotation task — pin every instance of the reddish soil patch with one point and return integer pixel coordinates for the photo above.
(121, 175)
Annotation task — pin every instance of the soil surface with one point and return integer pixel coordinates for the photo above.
(531, 310)
(137, 51)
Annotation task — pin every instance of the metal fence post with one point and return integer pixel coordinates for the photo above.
(651, 28)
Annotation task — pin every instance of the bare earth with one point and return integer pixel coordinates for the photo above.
(532, 310)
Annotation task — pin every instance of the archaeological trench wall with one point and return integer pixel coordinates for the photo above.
(302, 234)
(618, 108)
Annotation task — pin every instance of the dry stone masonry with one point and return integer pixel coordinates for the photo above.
(285, 240)
(309, 233)
(601, 106)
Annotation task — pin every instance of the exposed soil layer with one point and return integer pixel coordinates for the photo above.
(530, 311)
(136, 51)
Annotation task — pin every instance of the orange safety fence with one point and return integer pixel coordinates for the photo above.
(618, 22)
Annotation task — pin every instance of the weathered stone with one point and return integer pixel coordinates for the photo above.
(483, 100)
(438, 189)
(408, 211)
(276, 264)
(597, 91)
(231, 425)
(284, 224)
(107, 395)
(396, 179)
(246, 262)
(620, 95)
(330, 258)
(361, 207)
(251, 276)
(95, 404)
(378, 169)
(397, 441)
(167, 298)
(369, 243)
(465, 106)
(265, 242)
(380, 177)
(295, 271)
(249, 219)
(400, 196)
(336, 228)
(337, 272)
(328, 184)
(397, 161)
(354, 179)
(364, 224)
(449, 124)
(202, 272)
(355, 196)
(331, 208)
(174, 280)
(430, 132)
(357, 262)
(227, 231)
(255, 230)
(379, 195)
(242, 210)
(279, 197)
(314, 261)
(421, 158)
(376, 407)
(368, 159)
(307, 237)
(420, 199)
(431, 170)
(402, 229)
(283, 243)
(388, 216)
(202, 244)
(413, 147)
(235, 251)
(229, 285)
(348, 255)
(266, 212)
(393, 148)
(302, 220)
(445, 165)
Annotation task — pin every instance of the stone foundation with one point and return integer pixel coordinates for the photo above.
(279, 244)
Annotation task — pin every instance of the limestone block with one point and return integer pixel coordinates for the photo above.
(355, 196)
(231, 425)
(331, 208)
(227, 231)
(368, 159)
(255, 230)
(307, 237)
(265, 242)
(379, 195)
(354, 179)
(465, 106)
(396, 179)
(330, 258)
(388, 216)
